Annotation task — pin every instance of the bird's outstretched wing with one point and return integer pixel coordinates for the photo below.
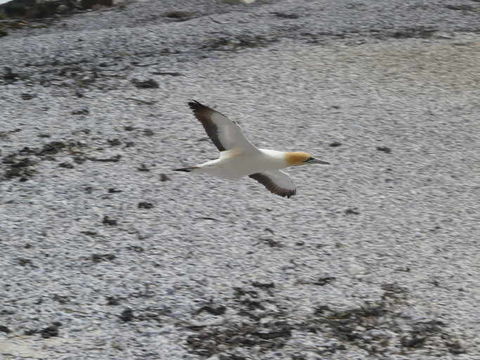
(225, 133)
(276, 181)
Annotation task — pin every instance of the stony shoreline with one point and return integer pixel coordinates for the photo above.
(105, 253)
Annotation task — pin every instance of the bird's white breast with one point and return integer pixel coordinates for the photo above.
(236, 164)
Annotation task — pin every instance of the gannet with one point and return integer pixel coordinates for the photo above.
(239, 157)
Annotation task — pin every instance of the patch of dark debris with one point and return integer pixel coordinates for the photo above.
(18, 167)
(36, 9)
(145, 205)
(145, 83)
(147, 314)
(283, 15)
(352, 211)
(237, 43)
(461, 7)
(384, 149)
(257, 322)
(40, 13)
(381, 325)
(98, 258)
(5, 329)
(47, 332)
(109, 221)
(21, 163)
(63, 73)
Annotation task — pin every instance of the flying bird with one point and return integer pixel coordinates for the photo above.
(239, 157)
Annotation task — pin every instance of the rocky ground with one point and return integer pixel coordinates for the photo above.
(108, 254)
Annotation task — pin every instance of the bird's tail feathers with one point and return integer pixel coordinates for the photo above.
(187, 169)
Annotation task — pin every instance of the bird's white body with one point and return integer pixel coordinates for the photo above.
(235, 163)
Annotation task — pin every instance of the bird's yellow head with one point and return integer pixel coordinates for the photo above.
(302, 158)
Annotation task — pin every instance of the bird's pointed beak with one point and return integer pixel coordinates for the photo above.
(317, 161)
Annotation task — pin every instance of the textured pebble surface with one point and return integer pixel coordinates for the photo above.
(105, 253)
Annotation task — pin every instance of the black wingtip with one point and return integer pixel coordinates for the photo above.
(195, 105)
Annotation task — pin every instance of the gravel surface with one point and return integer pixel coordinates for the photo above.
(108, 254)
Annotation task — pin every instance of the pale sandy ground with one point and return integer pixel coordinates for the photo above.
(377, 256)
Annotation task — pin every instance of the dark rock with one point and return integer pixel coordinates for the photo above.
(164, 177)
(66, 165)
(107, 221)
(127, 315)
(263, 285)
(335, 144)
(232, 357)
(213, 309)
(385, 149)
(24, 262)
(236, 43)
(9, 76)
(30, 332)
(148, 132)
(145, 205)
(143, 167)
(27, 96)
(21, 168)
(136, 248)
(17, 8)
(96, 258)
(393, 290)
(5, 329)
(416, 32)
(51, 148)
(26, 151)
(414, 341)
(353, 211)
(82, 111)
(36, 8)
(50, 331)
(113, 301)
(79, 159)
(79, 93)
(168, 73)
(271, 242)
(282, 15)
(325, 280)
(115, 158)
(460, 7)
(283, 331)
(113, 191)
(128, 128)
(88, 4)
(145, 84)
(114, 142)
(60, 299)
